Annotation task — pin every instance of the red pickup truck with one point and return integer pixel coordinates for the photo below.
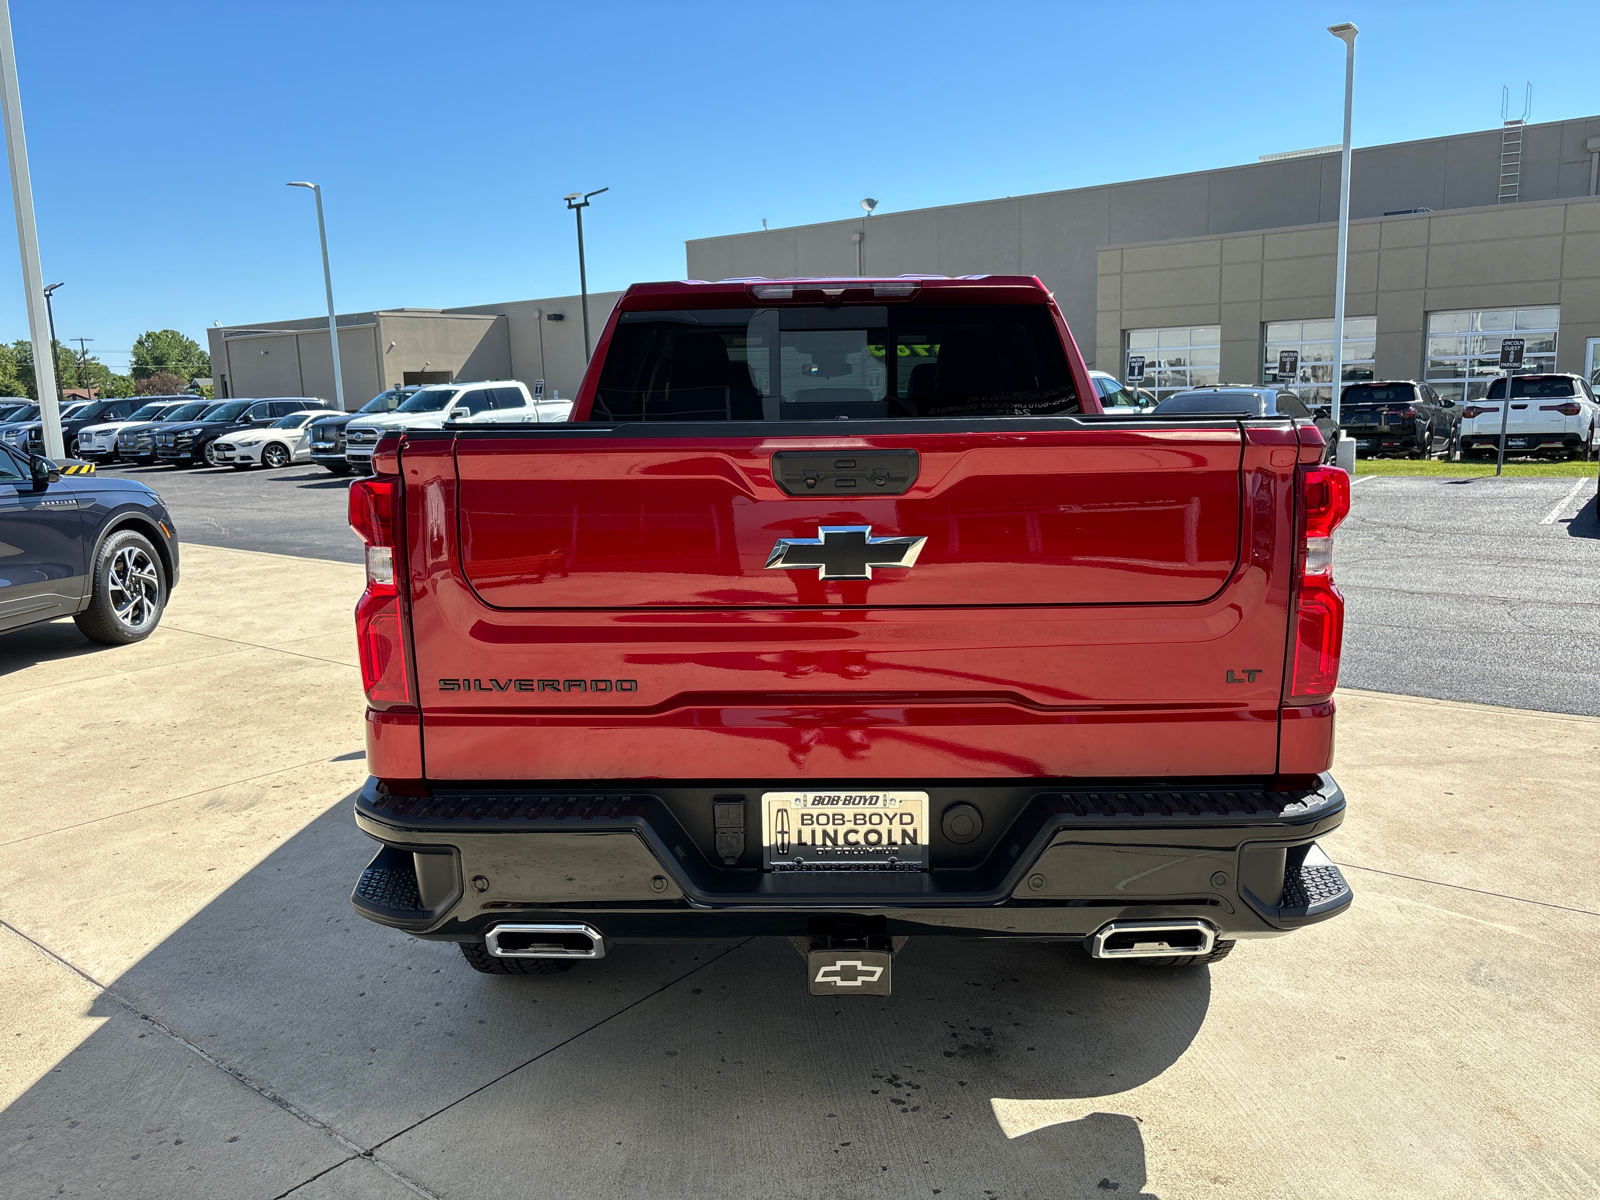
(840, 612)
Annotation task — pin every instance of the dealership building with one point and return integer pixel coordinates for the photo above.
(1455, 242)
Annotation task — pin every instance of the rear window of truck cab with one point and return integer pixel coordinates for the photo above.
(859, 362)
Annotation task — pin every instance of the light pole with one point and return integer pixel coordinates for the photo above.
(1346, 33)
(44, 376)
(327, 279)
(50, 312)
(577, 203)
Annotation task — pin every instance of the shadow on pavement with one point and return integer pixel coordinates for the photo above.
(481, 1084)
(1586, 522)
(48, 641)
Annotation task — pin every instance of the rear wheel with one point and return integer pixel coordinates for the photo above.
(275, 454)
(130, 591)
(479, 959)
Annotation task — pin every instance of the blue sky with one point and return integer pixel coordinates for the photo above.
(445, 134)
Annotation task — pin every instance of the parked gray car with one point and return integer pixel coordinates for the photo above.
(1247, 400)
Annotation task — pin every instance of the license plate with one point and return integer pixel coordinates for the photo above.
(845, 831)
(1516, 441)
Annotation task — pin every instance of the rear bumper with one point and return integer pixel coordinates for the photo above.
(1522, 442)
(1060, 861)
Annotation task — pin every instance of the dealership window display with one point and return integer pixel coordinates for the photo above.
(1313, 342)
(1464, 347)
(1176, 359)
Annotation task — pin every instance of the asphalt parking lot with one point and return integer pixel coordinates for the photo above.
(1480, 590)
(191, 1009)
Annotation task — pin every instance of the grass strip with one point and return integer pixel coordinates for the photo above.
(1471, 470)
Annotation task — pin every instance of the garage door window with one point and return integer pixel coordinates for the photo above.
(1176, 359)
(1464, 347)
(1313, 342)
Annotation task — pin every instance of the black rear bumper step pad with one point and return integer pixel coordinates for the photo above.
(447, 810)
(1149, 813)
(390, 886)
(1312, 889)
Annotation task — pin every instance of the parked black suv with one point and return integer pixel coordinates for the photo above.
(189, 443)
(327, 433)
(1400, 416)
(136, 443)
(74, 418)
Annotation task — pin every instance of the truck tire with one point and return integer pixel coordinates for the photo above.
(479, 959)
(130, 591)
(1219, 952)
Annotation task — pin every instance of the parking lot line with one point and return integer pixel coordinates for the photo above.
(1361, 479)
(1551, 516)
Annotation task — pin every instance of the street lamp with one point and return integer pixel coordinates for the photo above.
(50, 313)
(577, 202)
(1346, 33)
(327, 279)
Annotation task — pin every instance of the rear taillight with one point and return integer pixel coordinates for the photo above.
(1477, 410)
(1319, 615)
(380, 629)
(1569, 409)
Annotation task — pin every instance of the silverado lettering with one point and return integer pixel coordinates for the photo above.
(538, 685)
(917, 641)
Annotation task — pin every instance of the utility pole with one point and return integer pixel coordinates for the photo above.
(583, 277)
(44, 365)
(83, 360)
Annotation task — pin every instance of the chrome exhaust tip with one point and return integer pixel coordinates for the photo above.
(1152, 939)
(545, 941)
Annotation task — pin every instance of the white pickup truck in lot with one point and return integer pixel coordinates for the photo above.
(453, 405)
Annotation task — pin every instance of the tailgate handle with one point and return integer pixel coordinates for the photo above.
(807, 473)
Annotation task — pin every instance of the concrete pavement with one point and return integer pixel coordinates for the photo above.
(189, 1007)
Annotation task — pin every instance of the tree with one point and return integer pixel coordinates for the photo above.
(161, 383)
(167, 350)
(12, 382)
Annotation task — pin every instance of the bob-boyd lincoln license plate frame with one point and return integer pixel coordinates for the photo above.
(845, 831)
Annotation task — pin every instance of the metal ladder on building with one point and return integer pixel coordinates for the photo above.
(1511, 145)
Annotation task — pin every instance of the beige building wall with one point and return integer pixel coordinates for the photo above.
(552, 350)
(1400, 269)
(463, 346)
(1057, 235)
(516, 340)
(292, 358)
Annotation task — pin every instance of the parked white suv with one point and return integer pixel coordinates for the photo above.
(489, 402)
(1548, 413)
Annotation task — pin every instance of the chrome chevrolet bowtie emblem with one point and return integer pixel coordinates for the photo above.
(844, 552)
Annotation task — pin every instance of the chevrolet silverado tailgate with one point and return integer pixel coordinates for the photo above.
(1087, 599)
